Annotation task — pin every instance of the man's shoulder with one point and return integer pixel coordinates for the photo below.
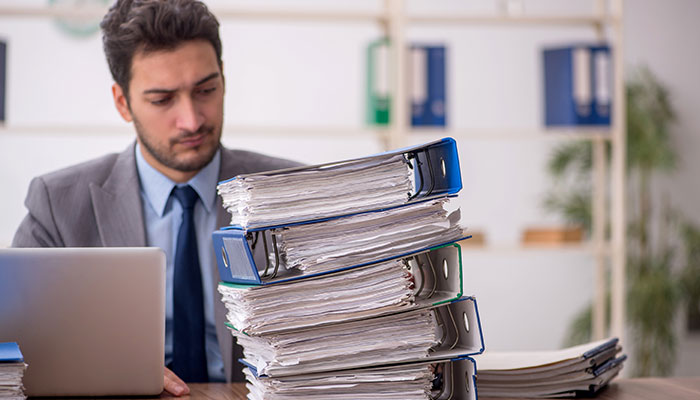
(237, 162)
(96, 170)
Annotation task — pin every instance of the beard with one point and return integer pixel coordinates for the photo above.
(164, 154)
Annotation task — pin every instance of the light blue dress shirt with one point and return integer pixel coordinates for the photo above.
(163, 216)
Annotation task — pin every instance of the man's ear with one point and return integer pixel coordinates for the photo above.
(121, 102)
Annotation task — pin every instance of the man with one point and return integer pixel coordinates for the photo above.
(165, 58)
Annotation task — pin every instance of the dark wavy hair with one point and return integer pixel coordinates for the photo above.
(152, 25)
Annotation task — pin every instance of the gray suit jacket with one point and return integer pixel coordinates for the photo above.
(98, 204)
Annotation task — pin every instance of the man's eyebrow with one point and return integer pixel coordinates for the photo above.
(209, 77)
(199, 82)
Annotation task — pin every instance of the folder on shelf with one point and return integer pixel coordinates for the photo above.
(578, 85)
(580, 369)
(451, 379)
(420, 280)
(427, 89)
(345, 187)
(378, 95)
(444, 332)
(336, 244)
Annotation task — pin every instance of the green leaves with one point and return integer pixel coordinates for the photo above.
(649, 117)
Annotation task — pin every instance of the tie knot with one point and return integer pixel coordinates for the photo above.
(186, 196)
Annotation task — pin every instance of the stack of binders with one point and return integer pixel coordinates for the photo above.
(12, 369)
(344, 280)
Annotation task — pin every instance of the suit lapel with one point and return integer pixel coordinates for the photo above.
(117, 205)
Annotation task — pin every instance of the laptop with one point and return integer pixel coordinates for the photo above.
(89, 321)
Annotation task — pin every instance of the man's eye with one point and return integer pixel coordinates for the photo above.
(207, 90)
(161, 102)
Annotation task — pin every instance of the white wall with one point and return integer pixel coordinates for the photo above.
(311, 74)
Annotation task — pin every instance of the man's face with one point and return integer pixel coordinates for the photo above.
(176, 100)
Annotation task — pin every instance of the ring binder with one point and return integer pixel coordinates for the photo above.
(243, 300)
(234, 256)
(457, 381)
(460, 343)
(436, 173)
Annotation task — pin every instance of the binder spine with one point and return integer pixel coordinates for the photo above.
(461, 329)
(436, 169)
(428, 102)
(234, 257)
(578, 85)
(458, 380)
(437, 273)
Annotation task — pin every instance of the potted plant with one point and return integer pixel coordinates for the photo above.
(663, 260)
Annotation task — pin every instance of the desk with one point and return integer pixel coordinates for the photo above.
(644, 389)
(620, 389)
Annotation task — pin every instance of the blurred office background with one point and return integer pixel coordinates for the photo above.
(295, 87)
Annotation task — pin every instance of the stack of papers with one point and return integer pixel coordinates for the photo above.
(404, 382)
(579, 370)
(382, 288)
(359, 293)
(306, 193)
(372, 236)
(12, 369)
(391, 339)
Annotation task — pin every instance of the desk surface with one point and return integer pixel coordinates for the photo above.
(619, 389)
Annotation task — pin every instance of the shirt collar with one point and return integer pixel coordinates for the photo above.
(157, 187)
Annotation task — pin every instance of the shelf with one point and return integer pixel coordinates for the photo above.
(127, 129)
(221, 13)
(338, 131)
(534, 20)
(584, 247)
(574, 133)
(68, 11)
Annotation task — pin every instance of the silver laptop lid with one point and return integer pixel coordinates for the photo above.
(89, 321)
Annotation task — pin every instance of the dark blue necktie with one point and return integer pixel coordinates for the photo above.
(189, 356)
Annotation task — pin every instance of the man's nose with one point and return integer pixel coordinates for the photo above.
(189, 118)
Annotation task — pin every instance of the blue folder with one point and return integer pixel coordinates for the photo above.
(435, 165)
(430, 109)
(234, 258)
(562, 77)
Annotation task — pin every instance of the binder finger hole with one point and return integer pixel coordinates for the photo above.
(445, 269)
(224, 257)
(443, 168)
(466, 381)
(466, 321)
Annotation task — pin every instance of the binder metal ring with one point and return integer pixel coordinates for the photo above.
(224, 257)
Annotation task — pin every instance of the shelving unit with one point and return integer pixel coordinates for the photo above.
(605, 15)
(605, 20)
